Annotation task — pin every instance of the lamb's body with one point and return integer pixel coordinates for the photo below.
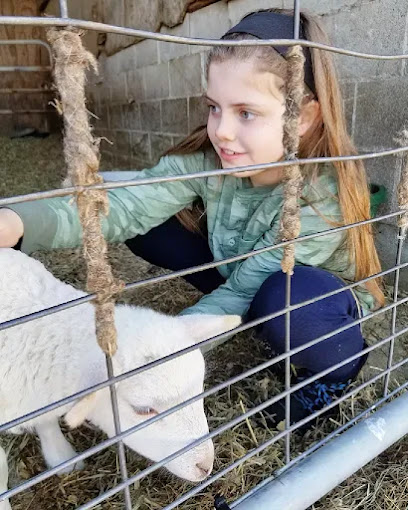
(47, 359)
(65, 340)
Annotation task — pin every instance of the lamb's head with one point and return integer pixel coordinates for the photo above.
(145, 336)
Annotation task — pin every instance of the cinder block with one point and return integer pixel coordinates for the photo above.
(374, 27)
(126, 58)
(134, 85)
(140, 146)
(131, 116)
(122, 144)
(116, 117)
(103, 121)
(381, 113)
(211, 22)
(160, 144)
(147, 53)
(185, 76)
(156, 81)
(197, 112)
(174, 116)
(150, 113)
(118, 89)
(170, 51)
(237, 9)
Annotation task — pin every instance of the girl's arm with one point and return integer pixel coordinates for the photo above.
(54, 223)
(236, 294)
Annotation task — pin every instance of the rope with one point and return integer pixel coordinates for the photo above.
(81, 152)
(290, 220)
(403, 187)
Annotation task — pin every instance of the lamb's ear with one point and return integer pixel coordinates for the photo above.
(201, 326)
(80, 411)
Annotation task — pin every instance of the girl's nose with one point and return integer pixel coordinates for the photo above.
(225, 129)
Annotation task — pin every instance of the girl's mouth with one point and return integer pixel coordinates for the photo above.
(228, 155)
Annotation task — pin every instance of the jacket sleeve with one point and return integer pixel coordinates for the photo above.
(236, 294)
(54, 223)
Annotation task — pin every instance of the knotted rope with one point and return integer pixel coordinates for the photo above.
(290, 220)
(81, 152)
(403, 186)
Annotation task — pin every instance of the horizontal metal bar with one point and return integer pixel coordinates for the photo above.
(143, 34)
(131, 373)
(314, 477)
(19, 42)
(26, 91)
(30, 69)
(176, 274)
(61, 192)
(21, 112)
(109, 442)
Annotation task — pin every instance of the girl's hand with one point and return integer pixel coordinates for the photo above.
(11, 228)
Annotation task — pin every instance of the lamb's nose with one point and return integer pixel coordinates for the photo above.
(205, 468)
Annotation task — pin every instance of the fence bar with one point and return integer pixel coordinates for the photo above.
(62, 192)
(394, 311)
(143, 34)
(315, 476)
(63, 8)
(202, 267)
(120, 444)
(287, 365)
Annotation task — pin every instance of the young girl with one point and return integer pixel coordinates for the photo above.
(246, 100)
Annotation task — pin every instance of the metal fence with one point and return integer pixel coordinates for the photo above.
(268, 489)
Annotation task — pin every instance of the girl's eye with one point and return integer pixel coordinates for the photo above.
(246, 115)
(213, 108)
(145, 411)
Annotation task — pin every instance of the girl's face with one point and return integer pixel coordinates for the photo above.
(245, 122)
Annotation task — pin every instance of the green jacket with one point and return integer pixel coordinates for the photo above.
(240, 218)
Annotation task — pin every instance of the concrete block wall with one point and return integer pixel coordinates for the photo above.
(148, 96)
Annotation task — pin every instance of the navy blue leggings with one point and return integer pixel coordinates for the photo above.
(171, 246)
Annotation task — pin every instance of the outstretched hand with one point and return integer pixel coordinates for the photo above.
(11, 228)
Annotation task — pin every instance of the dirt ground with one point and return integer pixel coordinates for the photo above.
(31, 164)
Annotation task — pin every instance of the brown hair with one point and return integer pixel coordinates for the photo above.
(326, 137)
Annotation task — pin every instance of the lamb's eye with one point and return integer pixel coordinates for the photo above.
(145, 411)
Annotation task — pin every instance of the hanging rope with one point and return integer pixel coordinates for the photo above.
(290, 220)
(403, 186)
(81, 151)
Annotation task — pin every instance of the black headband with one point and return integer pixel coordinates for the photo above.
(273, 25)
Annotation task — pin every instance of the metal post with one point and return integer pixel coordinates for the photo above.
(307, 482)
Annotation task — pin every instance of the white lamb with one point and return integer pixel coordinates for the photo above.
(4, 505)
(50, 358)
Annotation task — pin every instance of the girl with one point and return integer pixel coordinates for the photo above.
(246, 101)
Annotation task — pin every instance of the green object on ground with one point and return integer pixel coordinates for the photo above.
(378, 196)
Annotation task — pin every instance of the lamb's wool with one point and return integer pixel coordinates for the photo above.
(45, 360)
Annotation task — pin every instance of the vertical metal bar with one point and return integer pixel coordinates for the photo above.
(287, 368)
(296, 31)
(121, 447)
(394, 310)
(63, 8)
(296, 15)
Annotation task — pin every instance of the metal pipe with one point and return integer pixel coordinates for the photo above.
(143, 34)
(39, 42)
(10, 69)
(176, 274)
(312, 478)
(196, 175)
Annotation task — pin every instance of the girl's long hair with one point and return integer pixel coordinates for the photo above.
(327, 137)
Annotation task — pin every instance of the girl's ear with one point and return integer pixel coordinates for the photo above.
(308, 114)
